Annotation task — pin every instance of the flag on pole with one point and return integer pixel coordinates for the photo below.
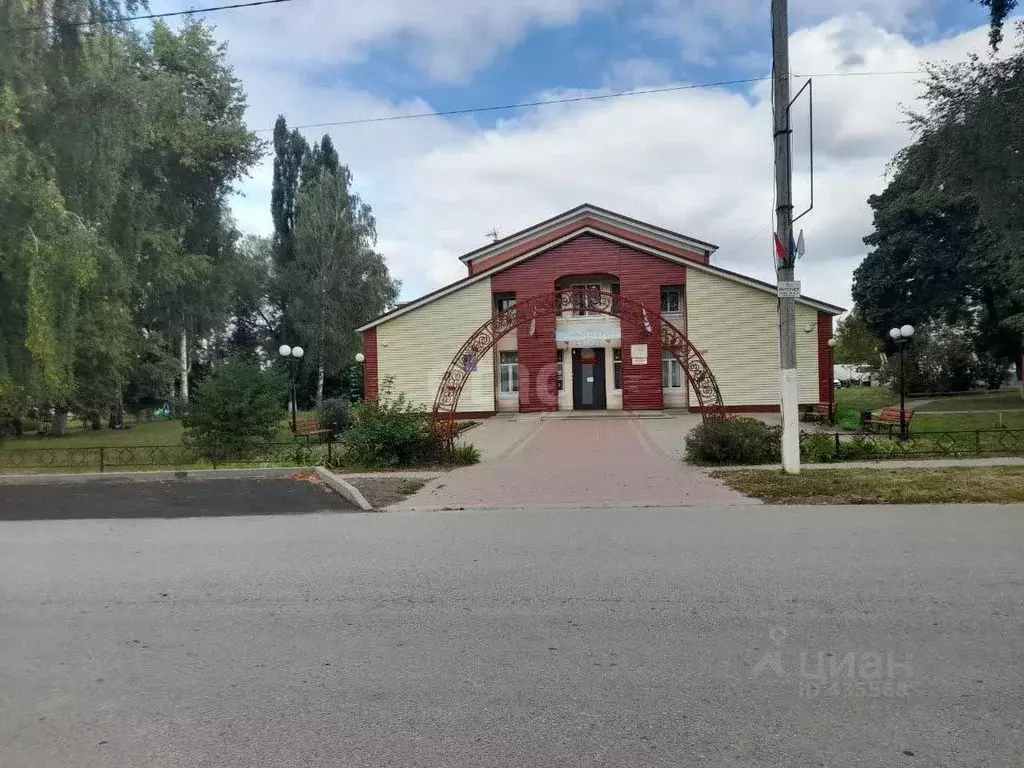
(780, 251)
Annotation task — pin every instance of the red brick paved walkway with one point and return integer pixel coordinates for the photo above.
(589, 461)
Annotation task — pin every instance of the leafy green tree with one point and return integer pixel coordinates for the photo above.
(151, 379)
(948, 240)
(338, 280)
(999, 12)
(856, 344)
(117, 153)
(236, 411)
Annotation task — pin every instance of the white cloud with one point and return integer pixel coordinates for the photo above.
(449, 39)
(704, 29)
(699, 161)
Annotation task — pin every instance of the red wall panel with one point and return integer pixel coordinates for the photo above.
(370, 364)
(826, 371)
(640, 279)
(528, 245)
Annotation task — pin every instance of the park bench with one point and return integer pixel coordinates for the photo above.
(889, 419)
(310, 429)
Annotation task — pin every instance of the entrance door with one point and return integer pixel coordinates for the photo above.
(588, 379)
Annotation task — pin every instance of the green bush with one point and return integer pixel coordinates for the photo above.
(817, 449)
(734, 441)
(390, 432)
(465, 454)
(335, 414)
(235, 412)
(848, 419)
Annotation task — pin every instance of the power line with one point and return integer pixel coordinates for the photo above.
(525, 104)
(143, 17)
(577, 99)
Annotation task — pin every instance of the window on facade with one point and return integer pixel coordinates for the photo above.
(560, 373)
(671, 299)
(585, 301)
(615, 297)
(617, 369)
(503, 301)
(508, 373)
(671, 372)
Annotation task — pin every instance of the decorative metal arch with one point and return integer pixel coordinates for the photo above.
(698, 374)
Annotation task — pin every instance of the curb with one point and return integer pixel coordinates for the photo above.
(343, 488)
(922, 463)
(148, 477)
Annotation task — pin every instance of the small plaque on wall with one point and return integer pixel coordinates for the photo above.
(638, 354)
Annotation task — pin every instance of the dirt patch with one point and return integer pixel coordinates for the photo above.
(382, 491)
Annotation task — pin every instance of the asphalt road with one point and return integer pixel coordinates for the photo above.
(532, 638)
(191, 497)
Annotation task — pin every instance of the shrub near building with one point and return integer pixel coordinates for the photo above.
(734, 441)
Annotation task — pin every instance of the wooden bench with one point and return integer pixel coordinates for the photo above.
(309, 429)
(889, 418)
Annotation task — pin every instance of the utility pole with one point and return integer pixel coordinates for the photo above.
(786, 257)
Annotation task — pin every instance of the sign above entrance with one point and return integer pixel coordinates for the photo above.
(596, 337)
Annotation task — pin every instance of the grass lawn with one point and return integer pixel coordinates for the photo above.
(930, 421)
(1005, 400)
(152, 433)
(880, 486)
(72, 453)
(865, 398)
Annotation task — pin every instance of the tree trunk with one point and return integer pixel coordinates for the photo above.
(184, 365)
(95, 420)
(320, 352)
(320, 382)
(59, 425)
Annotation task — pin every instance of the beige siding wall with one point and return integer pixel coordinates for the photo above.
(736, 329)
(417, 347)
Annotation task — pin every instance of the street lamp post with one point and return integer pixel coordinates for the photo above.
(292, 356)
(832, 381)
(901, 336)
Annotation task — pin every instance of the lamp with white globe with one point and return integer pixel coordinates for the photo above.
(292, 356)
(901, 336)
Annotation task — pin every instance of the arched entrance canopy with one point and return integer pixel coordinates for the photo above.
(698, 375)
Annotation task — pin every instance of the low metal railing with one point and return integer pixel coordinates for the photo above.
(840, 446)
(109, 458)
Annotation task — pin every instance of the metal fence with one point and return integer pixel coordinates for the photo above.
(839, 446)
(112, 458)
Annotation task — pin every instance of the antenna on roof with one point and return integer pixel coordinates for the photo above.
(493, 234)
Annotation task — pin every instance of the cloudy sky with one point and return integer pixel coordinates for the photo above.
(697, 160)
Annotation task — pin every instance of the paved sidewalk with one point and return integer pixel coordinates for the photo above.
(570, 461)
(500, 435)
